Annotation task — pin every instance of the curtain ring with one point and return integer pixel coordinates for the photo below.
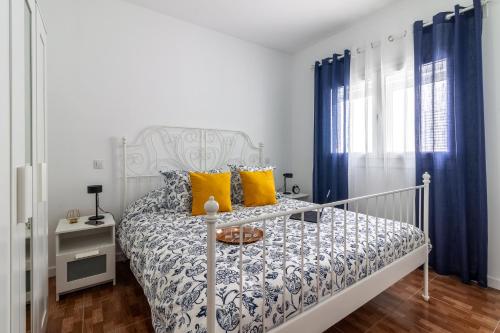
(390, 38)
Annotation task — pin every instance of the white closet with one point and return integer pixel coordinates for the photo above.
(40, 212)
(5, 168)
(28, 113)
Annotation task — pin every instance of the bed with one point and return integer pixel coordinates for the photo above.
(195, 284)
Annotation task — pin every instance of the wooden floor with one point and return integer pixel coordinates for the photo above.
(105, 308)
(454, 307)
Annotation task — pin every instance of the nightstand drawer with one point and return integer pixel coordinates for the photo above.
(85, 268)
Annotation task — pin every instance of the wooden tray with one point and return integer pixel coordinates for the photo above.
(232, 235)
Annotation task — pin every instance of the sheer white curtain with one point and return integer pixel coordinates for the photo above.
(381, 117)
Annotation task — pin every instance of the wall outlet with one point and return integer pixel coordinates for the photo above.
(98, 164)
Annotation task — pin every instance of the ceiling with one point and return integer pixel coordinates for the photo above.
(286, 25)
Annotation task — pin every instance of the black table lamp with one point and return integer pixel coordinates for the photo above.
(285, 176)
(95, 189)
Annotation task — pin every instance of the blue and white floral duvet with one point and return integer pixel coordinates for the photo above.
(167, 253)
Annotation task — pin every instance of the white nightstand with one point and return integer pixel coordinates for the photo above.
(85, 254)
(298, 196)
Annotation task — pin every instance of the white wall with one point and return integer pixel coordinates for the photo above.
(394, 20)
(115, 68)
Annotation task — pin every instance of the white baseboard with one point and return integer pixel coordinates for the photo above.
(52, 271)
(494, 282)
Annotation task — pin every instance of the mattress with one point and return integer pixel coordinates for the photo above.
(167, 253)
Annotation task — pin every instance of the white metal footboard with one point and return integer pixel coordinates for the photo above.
(404, 206)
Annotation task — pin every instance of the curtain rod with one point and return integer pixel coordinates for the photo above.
(463, 10)
(391, 38)
(329, 60)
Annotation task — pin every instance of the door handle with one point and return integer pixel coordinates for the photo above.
(84, 255)
(42, 182)
(24, 193)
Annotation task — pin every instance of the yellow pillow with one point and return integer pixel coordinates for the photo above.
(206, 184)
(258, 188)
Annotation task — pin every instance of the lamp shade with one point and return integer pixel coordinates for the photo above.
(94, 189)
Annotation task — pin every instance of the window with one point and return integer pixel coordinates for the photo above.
(340, 122)
(434, 123)
(381, 114)
(399, 113)
(361, 126)
(383, 124)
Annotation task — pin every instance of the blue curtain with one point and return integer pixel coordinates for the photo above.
(449, 127)
(331, 93)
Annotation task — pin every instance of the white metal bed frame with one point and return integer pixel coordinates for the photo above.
(158, 148)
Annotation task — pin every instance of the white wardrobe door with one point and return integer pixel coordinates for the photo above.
(40, 223)
(20, 135)
(5, 167)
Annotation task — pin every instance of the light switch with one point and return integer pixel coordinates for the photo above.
(98, 164)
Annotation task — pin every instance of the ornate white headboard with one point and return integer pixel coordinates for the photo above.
(180, 148)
